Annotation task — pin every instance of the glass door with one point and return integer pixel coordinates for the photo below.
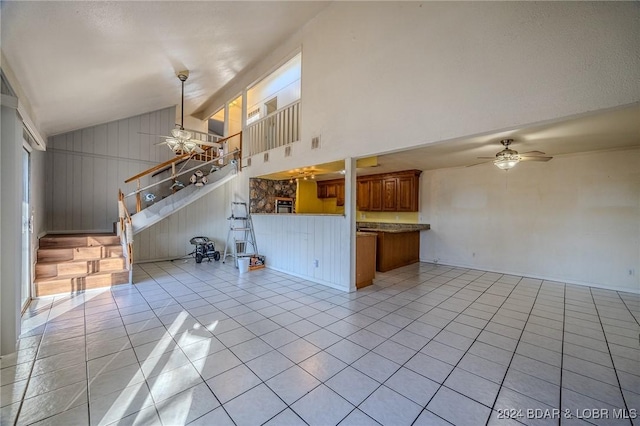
(25, 289)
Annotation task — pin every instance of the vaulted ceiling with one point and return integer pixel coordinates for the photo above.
(82, 63)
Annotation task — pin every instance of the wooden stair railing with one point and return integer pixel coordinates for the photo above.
(210, 152)
(125, 232)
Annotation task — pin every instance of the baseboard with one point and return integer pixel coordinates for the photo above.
(304, 277)
(539, 277)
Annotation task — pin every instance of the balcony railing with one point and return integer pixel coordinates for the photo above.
(279, 128)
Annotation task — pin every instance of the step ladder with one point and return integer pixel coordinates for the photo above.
(241, 240)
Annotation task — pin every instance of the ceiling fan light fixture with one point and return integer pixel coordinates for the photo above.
(180, 133)
(189, 145)
(507, 162)
(172, 143)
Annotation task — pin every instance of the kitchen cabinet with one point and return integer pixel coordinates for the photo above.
(395, 249)
(332, 189)
(390, 192)
(362, 195)
(365, 258)
(375, 196)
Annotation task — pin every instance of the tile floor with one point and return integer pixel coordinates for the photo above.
(426, 345)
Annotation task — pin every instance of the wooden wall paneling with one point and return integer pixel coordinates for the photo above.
(100, 140)
(87, 140)
(338, 255)
(86, 196)
(113, 184)
(48, 191)
(133, 141)
(74, 190)
(144, 140)
(58, 196)
(77, 141)
(123, 138)
(113, 131)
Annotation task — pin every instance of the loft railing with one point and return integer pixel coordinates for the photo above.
(225, 151)
(279, 128)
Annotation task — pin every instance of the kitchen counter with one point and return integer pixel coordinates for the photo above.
(398, 244)
(393, 228)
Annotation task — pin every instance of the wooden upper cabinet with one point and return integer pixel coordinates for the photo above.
(322, 190)
(332, 189)
(340, 195)
(390, 192)
(407, 194)
(362, 196)
(375, 196)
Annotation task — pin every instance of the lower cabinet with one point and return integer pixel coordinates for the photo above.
(365, 258)
(395, 249)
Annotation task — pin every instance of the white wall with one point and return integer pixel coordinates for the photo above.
(10, 224)
(85, 169)
(284, 84)
(169, 238)
(383, 76)
(574, 219)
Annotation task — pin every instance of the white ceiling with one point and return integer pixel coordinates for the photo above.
(615, 129)
(82, 62)
(606, 130)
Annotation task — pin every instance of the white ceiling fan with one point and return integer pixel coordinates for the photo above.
(508, 158)
(181, 141)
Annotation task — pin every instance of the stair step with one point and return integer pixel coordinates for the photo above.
(75, 283)
(78, 240)
(79, 267)
(78, 253)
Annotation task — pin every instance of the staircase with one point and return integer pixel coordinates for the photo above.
(171, 204)
(77, 262)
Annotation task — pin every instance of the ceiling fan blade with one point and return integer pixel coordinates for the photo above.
(477, 164)
(535, 158)
(198, 150)
(160, 143)
(533, 153)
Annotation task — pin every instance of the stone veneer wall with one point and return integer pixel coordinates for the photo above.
(263, 192)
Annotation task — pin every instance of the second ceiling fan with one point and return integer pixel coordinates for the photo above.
(508, 158)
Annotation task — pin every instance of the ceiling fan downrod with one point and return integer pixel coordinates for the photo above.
(182, 75)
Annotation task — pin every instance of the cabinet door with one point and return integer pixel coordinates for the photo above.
(332, 190)
(340, 190)
(389, 194)
(375, 196)
(362, 196)
(407, 194)
(322, 190)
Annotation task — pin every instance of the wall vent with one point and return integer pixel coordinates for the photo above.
(315, 142)
(287, 151)
(266, 157)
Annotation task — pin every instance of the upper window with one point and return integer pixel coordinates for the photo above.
(279, 89)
